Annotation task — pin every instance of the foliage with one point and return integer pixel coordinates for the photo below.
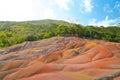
(12, 33)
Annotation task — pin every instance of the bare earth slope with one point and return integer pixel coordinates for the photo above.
(60, 58)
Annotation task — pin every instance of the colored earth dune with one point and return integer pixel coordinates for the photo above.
(60, 58)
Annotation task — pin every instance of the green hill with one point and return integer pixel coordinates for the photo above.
(17, 32)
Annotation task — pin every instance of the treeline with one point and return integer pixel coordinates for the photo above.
(12, 33)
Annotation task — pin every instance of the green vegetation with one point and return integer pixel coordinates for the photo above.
(17, 32)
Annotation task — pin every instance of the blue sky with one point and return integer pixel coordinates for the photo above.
(86, 12)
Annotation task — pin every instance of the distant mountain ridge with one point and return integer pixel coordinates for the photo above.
(34, 22)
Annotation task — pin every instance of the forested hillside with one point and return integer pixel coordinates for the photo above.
(17, 32)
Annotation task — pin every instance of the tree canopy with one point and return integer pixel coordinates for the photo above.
(12, 33)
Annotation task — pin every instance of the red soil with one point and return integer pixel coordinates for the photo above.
(60, 58)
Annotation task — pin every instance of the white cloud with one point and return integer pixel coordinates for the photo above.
(106, 22)
(43, 9)
(20, 10)
(86, 6)
(48, 13)
(16, 9)
(63, 3)
(107, 8)
(117, 5)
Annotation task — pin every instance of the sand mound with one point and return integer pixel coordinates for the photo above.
(60, 58)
